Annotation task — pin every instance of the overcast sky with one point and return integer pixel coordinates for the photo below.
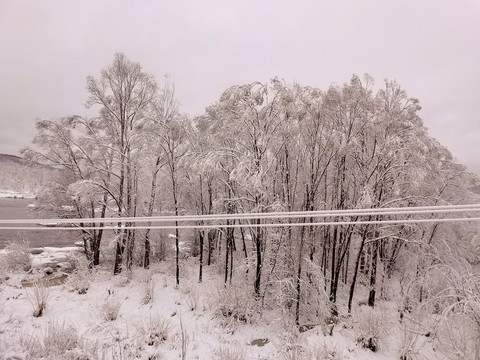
(432, 48)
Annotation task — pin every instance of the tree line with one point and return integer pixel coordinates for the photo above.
(261, 147)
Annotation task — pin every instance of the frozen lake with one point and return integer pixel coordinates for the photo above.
(17, 209)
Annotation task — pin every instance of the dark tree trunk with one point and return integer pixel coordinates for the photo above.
(177, 252)
(227, 249)
(99, 235)
(333, 284)
(130, 239)
(209, 257)
(242, 232)
(299, 259)
(120, 243)
(299, 277)
(146, 255)
(153, 192)
(258, 274)
(201, 235)
(96, 247)
(357, 264)
(345, 245)
(373, 275)
(120, 247)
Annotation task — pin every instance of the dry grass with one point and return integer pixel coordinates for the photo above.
(192, 298)
(38, 295)
(228, 351)
(111, 308)
(371, 326)
(154, 331)
(17, 257)
(53, 342)
(145, 277)
(81, 276)
(235, 304)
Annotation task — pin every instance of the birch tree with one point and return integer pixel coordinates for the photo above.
(247, 117)
(73, 144)
(170, 131)
(124, 93)
(164, 111)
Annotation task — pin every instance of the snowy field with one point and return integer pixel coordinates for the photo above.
(142, 315)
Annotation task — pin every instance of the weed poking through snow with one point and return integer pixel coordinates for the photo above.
(38, 295)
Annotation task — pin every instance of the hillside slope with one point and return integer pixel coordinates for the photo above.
(19, 177)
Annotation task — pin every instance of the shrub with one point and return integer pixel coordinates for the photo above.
(154, 331)
(52, 343)
(149, 289)
(119, 349)
(191, 298)
(236, 304)
(79, 279)
(227, 351)
(371, 327)
(111, 308)
(160, 251)
(145, 277)
(38, 295)
(327, 351)
(291, 349)
(184, 339)
(58, 338)
(16, 256)
(413, 339)
(458, 337)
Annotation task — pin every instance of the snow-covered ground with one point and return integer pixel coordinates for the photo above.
(157, 320)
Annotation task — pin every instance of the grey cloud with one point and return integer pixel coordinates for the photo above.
(429, 47)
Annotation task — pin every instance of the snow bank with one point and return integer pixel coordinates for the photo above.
(5, 194)
(52, 256)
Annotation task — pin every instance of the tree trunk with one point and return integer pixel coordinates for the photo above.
(129, 207)
(201, 235)
(98, 238)
(210, 244)
(211, 231)
(175, 204)
(299, 265)
(120, 243)
(373, 275)
(333, 284)
(341, 258)
(357, 264)
(177, 252)
(120, 246)
(151, 203)
(258, 274)
(227, 249)
(299, 277)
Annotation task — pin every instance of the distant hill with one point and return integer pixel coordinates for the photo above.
(17, 175)
(11, 158)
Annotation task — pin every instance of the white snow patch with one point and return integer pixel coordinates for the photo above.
(16, 194)
(205, 328)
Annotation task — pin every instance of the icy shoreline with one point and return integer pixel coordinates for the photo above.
(11, 194)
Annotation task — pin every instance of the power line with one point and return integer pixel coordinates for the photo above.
(266, 225)
(444, 209)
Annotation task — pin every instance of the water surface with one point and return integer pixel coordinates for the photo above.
(18, 209)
